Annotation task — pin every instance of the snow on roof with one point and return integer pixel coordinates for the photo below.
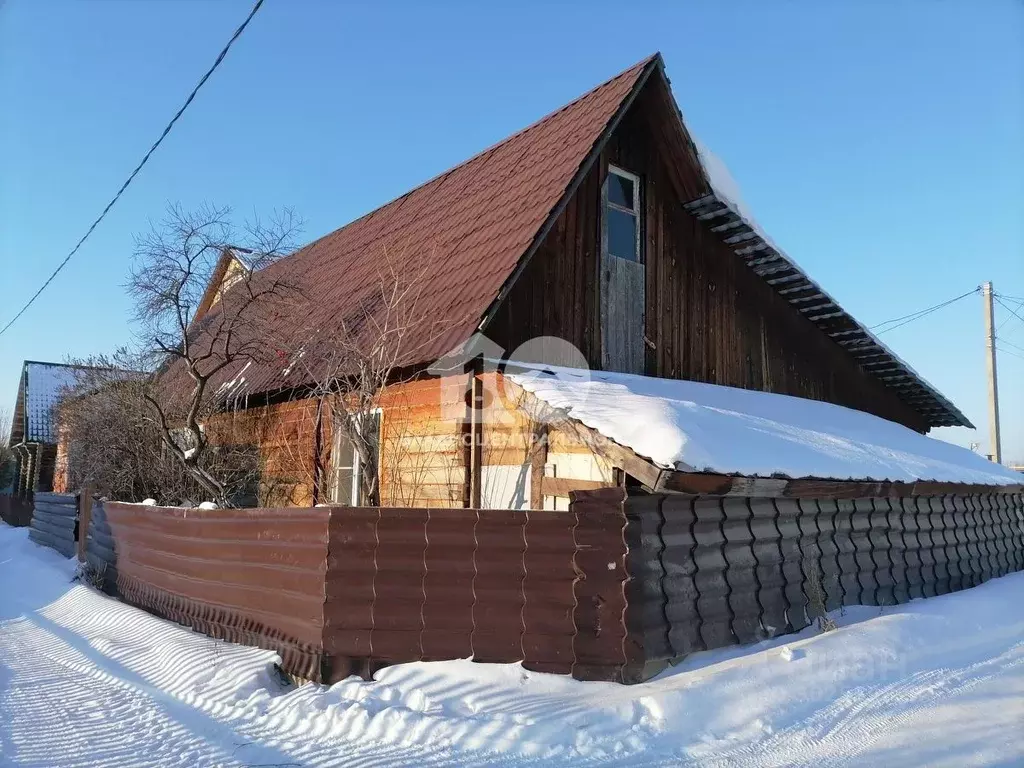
(710, 428)
(45, 384)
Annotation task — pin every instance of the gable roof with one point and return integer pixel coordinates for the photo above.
(472, 225)
(39, 389)
(476, 225)
(231, 258)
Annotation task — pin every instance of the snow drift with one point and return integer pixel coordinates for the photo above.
(88, 681)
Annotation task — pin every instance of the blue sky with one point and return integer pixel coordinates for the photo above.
(880, 144)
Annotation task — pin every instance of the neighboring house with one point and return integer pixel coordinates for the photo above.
(604, 224)
(34, 432)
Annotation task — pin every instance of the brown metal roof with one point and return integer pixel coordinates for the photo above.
(467, 230)
(471, 224)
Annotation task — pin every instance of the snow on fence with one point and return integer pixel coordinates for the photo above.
(613, 589)
(54, 516)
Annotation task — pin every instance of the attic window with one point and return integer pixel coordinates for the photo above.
(622, 214)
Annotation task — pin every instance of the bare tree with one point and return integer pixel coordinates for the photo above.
(6, 452)
(353, 366)
(109, 439)
(193, 347)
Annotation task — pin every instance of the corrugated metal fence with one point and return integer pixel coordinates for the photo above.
(348, 590)
(100, 549)
(613, 589)
(252, 576)
(54, 516)
(544, 588)
(15, 510)
(713, 571)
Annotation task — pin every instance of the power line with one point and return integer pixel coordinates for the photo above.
(1015, 346)
(167, 130)
(1006, 319)
(901, 321)
(1016, 299)
(1008, 352)
(1008, 308)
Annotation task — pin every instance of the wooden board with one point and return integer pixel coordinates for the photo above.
(622, 315)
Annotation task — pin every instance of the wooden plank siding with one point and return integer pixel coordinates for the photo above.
(423, 461)
(420, 456)
(708, 317)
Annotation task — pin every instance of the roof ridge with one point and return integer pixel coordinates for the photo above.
(487, 150)
(61, 365)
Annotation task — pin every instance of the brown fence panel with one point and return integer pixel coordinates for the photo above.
(349, 594)
(548, 616)
(448, 585)
(603, 647)
(398, 591)
(252, 576)
(498, 585)
(340, 591)
(15, 510)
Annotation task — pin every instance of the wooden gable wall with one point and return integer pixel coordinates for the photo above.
(707, 316)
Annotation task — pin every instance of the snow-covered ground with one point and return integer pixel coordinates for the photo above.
(87, 681)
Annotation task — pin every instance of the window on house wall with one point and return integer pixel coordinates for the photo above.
(622, 214)
(347, 488)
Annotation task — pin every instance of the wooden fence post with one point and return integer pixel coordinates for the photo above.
(84, 515)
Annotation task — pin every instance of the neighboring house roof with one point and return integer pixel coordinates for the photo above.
(230, 263)
(40, 387)
(696, 427)
(471, 230)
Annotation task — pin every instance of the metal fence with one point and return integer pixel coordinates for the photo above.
(252, 576)
(713, 571)
(100, 549)
(54, 519)
(614, 589)
(544, 588)
(339, 591)
(15, 510)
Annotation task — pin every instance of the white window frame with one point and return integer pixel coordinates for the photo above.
(635, 210)
(353, 492)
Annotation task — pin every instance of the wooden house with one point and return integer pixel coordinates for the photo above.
(604, 225)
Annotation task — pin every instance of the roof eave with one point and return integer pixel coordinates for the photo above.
(817, 305)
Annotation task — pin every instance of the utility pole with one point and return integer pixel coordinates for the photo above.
(993, 389)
